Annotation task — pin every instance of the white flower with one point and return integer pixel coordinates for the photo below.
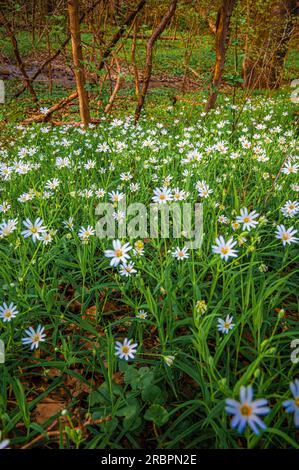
(247, 219)
(224, 326)
(85, 233)
(292, 406)
(116, 196)
(69, 223)
(225, 249)
(8, 312)
(4, 207)
(162, 195)
(125, 350)
(142, 314)
(203, 189)
(290, 208)
(290, 168)
(179, 195)
(222, 219)
(119, 254)
(6, 228)
(100, 192)
(34, 230)
(34, 337)
(47, 238)
(286, 235)
(169, 360)
(180, 253)
(52, 184)
(127, 270)
(246, 411)
(43, 110)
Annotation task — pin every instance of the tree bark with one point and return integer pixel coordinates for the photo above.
(73, 10)
(131, 16)
(59, 50)
(266, 51)
(149, 56)
(222, 38)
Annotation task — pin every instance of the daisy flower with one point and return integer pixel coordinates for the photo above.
(69, 223)
(85, 233)
(6, 228)
(34, 337)
(292, 406)
(286, 235)
(127, 270)
(290, 208)
(180, 253)
(290, 168)
(138, 248)
(119, 254)
(34, 230)
(47, 238)
(225, 249)
(247, 219)
(224, 326)
(8, 312)
(142, 314)
(125, 350)
(162, 195)
(116, 196)
(247, 411)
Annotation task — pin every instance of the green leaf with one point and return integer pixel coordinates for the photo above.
(152, 394)
(157, 414)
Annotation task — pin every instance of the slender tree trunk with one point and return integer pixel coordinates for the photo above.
(118, 35)
(222, 38)
(58, 51)
(26, 78)
(73, 9)
(149, 56)
(266, 51)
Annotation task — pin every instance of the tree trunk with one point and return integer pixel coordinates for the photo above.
(26, 78)
(222, 38)
(266, 51)
(59, 50)
(73, 10)
(118, 35)
(149, 56)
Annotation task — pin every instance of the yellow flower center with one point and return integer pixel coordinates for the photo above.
(246, 220)
(8, 314)
(226, 325)
(224, 250)
(33, 230)
(246, 410)
(285, 236)
(139, 245)
(297, 401)
(162, 197)
(118, 253)
(36, 338)
(125, 349)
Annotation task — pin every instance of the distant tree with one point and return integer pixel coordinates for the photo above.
(149, 55)
(270, 27)
(73, 10)
(222, 39)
